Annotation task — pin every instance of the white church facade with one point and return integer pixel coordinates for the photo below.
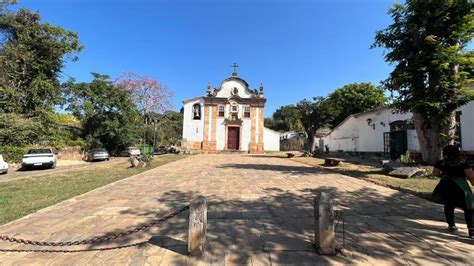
(228, 118)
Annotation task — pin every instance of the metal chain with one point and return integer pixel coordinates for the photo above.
(71, 250)
(98, 239)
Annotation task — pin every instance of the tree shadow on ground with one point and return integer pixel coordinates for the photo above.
(305, 170)
(300, 170)
(278, 226)
(266, 156)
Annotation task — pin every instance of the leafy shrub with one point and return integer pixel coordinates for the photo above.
(73, 143)
(18, 130)
(56, 132)
(13, 154)
(317, 153)
(146, 158)
(406, 159)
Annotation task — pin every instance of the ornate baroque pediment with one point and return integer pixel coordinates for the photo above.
(233, 119)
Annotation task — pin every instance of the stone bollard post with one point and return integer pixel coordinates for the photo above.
(325, 237)
(197, 226)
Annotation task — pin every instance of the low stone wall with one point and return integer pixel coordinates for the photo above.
(71, 153)
(191, 147)
(359, 154)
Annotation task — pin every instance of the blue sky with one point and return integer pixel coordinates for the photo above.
(298, 49)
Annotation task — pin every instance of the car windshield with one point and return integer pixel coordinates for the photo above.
(99, 150)
(38, 151)
(133, 149)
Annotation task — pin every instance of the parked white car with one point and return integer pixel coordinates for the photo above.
(3, 166)
(130, 151)
(43, 157)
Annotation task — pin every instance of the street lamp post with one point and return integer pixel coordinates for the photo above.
(156, 120)
(144, 131)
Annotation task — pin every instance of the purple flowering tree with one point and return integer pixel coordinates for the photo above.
(149, 95)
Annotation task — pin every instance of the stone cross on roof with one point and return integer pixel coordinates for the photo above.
(235, 66)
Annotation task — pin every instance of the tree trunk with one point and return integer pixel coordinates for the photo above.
(311, 141)
(433, 135)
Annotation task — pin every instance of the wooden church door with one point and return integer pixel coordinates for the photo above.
(233, 134)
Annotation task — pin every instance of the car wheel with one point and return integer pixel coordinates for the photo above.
(53, 166)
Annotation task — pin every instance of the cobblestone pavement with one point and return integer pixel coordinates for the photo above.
(260, 213)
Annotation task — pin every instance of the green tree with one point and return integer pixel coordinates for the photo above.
(286, 118)
(315, 114)
(354, 98)
(32, 54)
(270, 123)
(107, 113)
(167, 131)
(427, 42)
(18, 130)
(5, 3)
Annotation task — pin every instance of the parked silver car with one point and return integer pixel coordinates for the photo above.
(3, 166)
(99, 154)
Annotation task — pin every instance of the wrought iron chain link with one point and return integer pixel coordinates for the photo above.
(95, 240)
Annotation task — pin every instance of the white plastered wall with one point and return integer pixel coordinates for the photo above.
(271, 140)
(368, 139)
(226, 88)
(246, 128)
(356, 135)
(193, 129)
(220, 134)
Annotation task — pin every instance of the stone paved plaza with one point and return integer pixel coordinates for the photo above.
(260, 213)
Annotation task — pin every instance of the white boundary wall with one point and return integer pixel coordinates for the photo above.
(354, 133)
(271, 140)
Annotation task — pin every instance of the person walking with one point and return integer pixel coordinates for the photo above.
(453, 189)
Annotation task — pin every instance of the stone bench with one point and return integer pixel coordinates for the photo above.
(332, 161)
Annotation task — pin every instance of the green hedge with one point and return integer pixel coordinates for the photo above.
(13, 154)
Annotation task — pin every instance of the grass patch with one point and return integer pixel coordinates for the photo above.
(24, 196)
(420, 186)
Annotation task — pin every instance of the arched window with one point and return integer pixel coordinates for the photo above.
(197, 111)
